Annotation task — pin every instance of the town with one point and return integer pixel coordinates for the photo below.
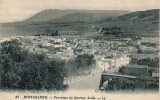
(130, 63)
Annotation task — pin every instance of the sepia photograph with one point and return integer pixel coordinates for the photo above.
(79, 49)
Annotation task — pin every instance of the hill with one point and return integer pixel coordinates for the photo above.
(76, 15)
(140, 23)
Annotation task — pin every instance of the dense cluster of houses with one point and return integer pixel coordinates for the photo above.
(109, 54)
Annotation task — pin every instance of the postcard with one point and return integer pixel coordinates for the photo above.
(79, 49)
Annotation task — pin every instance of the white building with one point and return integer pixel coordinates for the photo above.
(113, 63)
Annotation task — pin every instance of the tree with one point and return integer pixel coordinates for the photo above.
(149, 62)
(122, 70)
(71, 67)
(11, 59)
(24, 70)
(84, 60)
(139, 50)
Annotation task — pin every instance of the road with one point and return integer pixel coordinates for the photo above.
(91, 83)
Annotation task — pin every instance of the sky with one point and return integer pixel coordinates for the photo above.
(18, 10)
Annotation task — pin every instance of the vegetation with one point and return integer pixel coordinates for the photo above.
(149, 62)
(71, 67)
(23, 70)
(112, 31)
(122, 70)
(139, 50)
(84, 60)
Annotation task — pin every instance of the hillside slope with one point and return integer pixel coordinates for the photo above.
(141, 23)
(148, 15)
(54, 14)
